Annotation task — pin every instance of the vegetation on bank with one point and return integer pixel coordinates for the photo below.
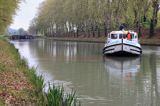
(7, 10)
(15, 87)
(20, 85)
(57, 97)
(95, 18)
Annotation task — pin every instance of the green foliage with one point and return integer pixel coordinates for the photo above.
(158, 24)
(7, 10)
(69, 99)
(38, 81)
(63, 17)
(1, 36)
(21, 63)
(57, 97)
(35, 93)
(2, 67)
(1, 103)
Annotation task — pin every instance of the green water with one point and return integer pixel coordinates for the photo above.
(99, 81)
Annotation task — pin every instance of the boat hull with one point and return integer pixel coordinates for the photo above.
(122, 49)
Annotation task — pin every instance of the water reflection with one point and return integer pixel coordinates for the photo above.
(98, 81)
(137, 79)
(122, 66)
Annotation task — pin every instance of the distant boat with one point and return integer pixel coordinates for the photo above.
(122, 43)
(21, 37)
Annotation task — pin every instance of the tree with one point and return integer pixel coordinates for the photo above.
(21, 31)
(155, 6)
(7, 10)
(91, 17)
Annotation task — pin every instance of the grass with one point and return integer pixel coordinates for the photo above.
(2, 36)
(2, 67)
(38, 82)
(57, 97)
(20, 85)
(15, 85)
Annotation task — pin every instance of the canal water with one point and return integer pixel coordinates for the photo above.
(98, 80)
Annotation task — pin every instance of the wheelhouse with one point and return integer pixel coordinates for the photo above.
(122, 35)
(122, 43)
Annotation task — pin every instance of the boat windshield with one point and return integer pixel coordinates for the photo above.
(114, 36)
(122, 36)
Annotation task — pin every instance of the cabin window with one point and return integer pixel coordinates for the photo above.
(114, 36)
(122, 36)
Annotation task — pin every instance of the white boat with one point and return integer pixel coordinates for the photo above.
(118, 43)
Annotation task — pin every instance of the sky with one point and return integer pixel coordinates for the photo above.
(26, 12)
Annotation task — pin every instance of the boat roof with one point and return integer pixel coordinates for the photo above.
(121, 32)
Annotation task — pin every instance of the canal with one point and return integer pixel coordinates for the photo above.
(98, 80)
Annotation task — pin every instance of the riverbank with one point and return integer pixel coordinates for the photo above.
(20, 86)
(16, 79)
(143, 41)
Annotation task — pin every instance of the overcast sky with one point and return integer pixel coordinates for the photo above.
(25, 14)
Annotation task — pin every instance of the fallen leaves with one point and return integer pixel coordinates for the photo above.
(15, 87)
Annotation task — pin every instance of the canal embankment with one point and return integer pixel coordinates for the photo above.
(19, 84)
(143, 41)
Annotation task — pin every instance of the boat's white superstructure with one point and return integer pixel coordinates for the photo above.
(117, 43)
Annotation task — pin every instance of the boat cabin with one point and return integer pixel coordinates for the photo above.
(115, 35)
(122, 43)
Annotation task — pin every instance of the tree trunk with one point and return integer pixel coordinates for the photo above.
(105, 29)
(151, 33)
(93, 31)
(77, 32)
(98, 31)
(139, 29)
(135, 18)
(154, 18)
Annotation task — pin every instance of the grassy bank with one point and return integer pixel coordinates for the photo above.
(20, 86)
(16, 80)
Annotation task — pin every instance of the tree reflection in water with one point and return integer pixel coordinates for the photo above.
(137, 72)
(112, 82)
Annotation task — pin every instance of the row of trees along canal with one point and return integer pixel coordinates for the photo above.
(7, 10)
(94, 18)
